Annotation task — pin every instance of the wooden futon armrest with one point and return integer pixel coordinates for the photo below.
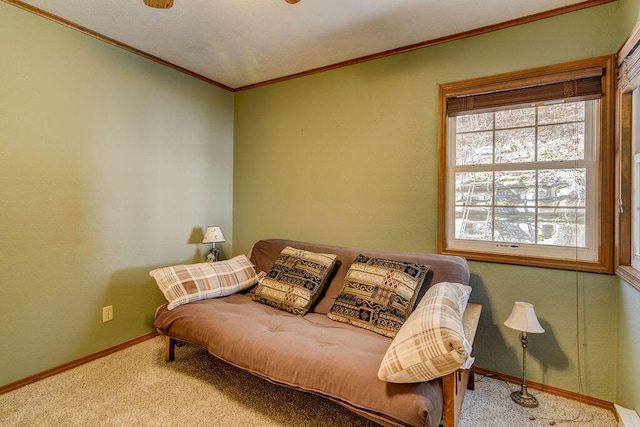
(455, 384)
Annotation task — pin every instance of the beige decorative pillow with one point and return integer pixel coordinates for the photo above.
(182, 284)
(295, 280)
(378, 294)
(431, 343)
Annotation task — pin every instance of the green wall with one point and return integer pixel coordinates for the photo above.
(349, 157)
(629, 16)
(108, 162)
(628, 375)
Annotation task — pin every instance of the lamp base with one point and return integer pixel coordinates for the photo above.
(213, 255)
(524, 399)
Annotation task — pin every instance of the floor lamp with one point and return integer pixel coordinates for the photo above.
(523, 318)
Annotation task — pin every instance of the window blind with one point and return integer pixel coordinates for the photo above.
(629, 70)
(586, 86)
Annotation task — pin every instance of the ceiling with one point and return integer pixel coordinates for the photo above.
(237, 44)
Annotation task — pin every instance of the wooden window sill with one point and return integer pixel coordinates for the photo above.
(629, 275)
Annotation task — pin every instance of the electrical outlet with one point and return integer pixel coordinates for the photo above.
(107, 313)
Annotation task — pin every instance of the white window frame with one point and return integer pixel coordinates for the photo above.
(635, 227)
(590, 163)
(635, 172)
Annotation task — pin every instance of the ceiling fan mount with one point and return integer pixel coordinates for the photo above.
(166, 4)
(159, 4)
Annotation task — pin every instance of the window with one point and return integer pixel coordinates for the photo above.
(635, 177)
(524, 167)
(635, 202)
(518, 179)
(627, 226)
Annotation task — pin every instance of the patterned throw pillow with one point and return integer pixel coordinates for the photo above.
(431, 343)
(295, 280)
(378, 294)
(181, 284)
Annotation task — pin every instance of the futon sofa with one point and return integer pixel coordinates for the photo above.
(315, 353)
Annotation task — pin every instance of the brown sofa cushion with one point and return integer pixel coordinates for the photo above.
(378, 294)
(311, 353)
(295, 280)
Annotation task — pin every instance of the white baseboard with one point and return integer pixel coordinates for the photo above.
(627, 417)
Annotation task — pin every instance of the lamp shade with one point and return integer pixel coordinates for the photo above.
(213, 235)
(523, 318)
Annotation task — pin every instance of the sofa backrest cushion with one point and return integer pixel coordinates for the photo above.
(443, 268)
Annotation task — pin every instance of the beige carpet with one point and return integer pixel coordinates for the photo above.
(135, 387)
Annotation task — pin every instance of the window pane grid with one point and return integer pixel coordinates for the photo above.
(512, 188)
(481, 214)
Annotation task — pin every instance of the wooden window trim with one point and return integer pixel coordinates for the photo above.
(542, 75)
(628, 73)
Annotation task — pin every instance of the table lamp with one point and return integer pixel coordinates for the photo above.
(523, 318)
(213, 235)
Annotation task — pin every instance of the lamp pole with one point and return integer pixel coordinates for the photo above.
(523, 397)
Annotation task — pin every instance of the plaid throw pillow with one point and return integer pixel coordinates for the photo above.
(181, 284)
(431, 343)
(378, 294)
